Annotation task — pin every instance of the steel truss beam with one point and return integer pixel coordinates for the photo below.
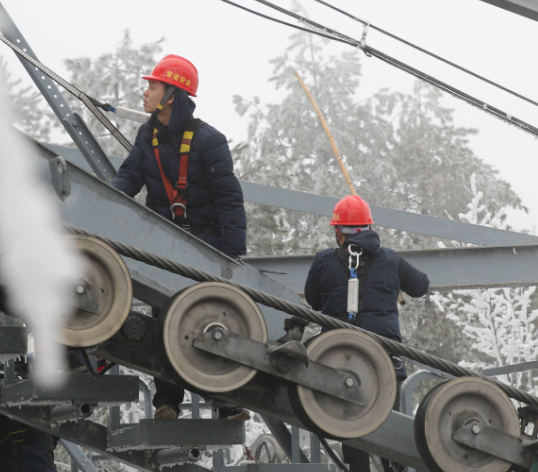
(105, 390)
(386, 217)
(92, 435)
(323, 206)
(73, 124)
(474, 267)
(526, 8)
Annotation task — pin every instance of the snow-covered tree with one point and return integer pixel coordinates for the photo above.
(402, 151)
(25, 107)
(114, 77)
(500, 323)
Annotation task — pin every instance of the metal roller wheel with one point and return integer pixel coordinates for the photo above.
(453, 405)
(107, 292)
(331, 417)
(191, 313)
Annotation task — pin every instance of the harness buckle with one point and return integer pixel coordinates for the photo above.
(174, 205)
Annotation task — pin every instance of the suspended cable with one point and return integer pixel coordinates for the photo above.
(429, 53)
(91, 103)
(276, 20)
(369, 51)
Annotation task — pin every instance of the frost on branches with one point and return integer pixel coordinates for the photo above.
(500, 323)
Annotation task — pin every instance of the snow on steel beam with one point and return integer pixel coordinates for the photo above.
(386, 217)
(527, 8)
(473, 267)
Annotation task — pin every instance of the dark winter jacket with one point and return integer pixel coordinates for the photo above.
(388, 273)
(214, 196)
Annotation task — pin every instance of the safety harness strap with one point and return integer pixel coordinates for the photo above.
(177, 193)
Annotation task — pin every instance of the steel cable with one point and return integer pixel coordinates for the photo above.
(302, 312)
(369, 51)
(429, 53)
(88, 101)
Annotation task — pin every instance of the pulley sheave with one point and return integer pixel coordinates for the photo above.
(195, 311)
(366, 360)
(102, 296)
(452, 406)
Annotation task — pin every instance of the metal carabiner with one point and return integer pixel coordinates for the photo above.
(352, 254)
(176, 205)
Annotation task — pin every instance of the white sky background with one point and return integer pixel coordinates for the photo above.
(231, 50)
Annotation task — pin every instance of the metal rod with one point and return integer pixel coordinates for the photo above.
(177, 454)
(63, 413)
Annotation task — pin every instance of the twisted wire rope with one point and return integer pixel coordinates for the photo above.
(304, 313)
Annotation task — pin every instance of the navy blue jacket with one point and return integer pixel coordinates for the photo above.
(214, 196)
(388, 273)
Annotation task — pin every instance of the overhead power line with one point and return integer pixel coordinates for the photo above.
(429, 53)
(332, 34)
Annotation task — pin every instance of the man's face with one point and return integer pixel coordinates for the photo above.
(153, 95)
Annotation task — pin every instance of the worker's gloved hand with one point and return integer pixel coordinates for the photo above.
(238, 260)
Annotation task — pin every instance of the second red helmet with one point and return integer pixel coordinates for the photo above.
(176, 71)
(352, 211)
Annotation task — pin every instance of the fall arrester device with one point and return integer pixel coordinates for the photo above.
(353, 284)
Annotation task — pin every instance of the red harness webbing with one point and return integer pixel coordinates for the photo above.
(177, 196)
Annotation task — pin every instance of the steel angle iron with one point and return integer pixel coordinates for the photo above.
(451, 406)
(102, 295)
(368, 364)
(194, 311)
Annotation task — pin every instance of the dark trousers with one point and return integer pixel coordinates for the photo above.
(35, 454)
(359, 461)
(167, 394)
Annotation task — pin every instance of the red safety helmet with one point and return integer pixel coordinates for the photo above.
(176, 71)
(352, 211)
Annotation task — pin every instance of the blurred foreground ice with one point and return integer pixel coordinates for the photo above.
(36, 259)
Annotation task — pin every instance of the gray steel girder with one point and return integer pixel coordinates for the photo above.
(108, 389)
(387, 217)
(161, 434)
(526, 8)
(92, 435)
(478, 267)
(97, 207)
(13, 342)
(73, 124)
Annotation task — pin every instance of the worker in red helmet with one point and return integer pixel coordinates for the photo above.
(381, 275)
(185, 163)
(187, 168)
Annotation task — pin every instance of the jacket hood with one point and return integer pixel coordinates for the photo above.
(182, 110)
(367, 240)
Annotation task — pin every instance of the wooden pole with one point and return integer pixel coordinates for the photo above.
(401, 299)
(329, 135)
